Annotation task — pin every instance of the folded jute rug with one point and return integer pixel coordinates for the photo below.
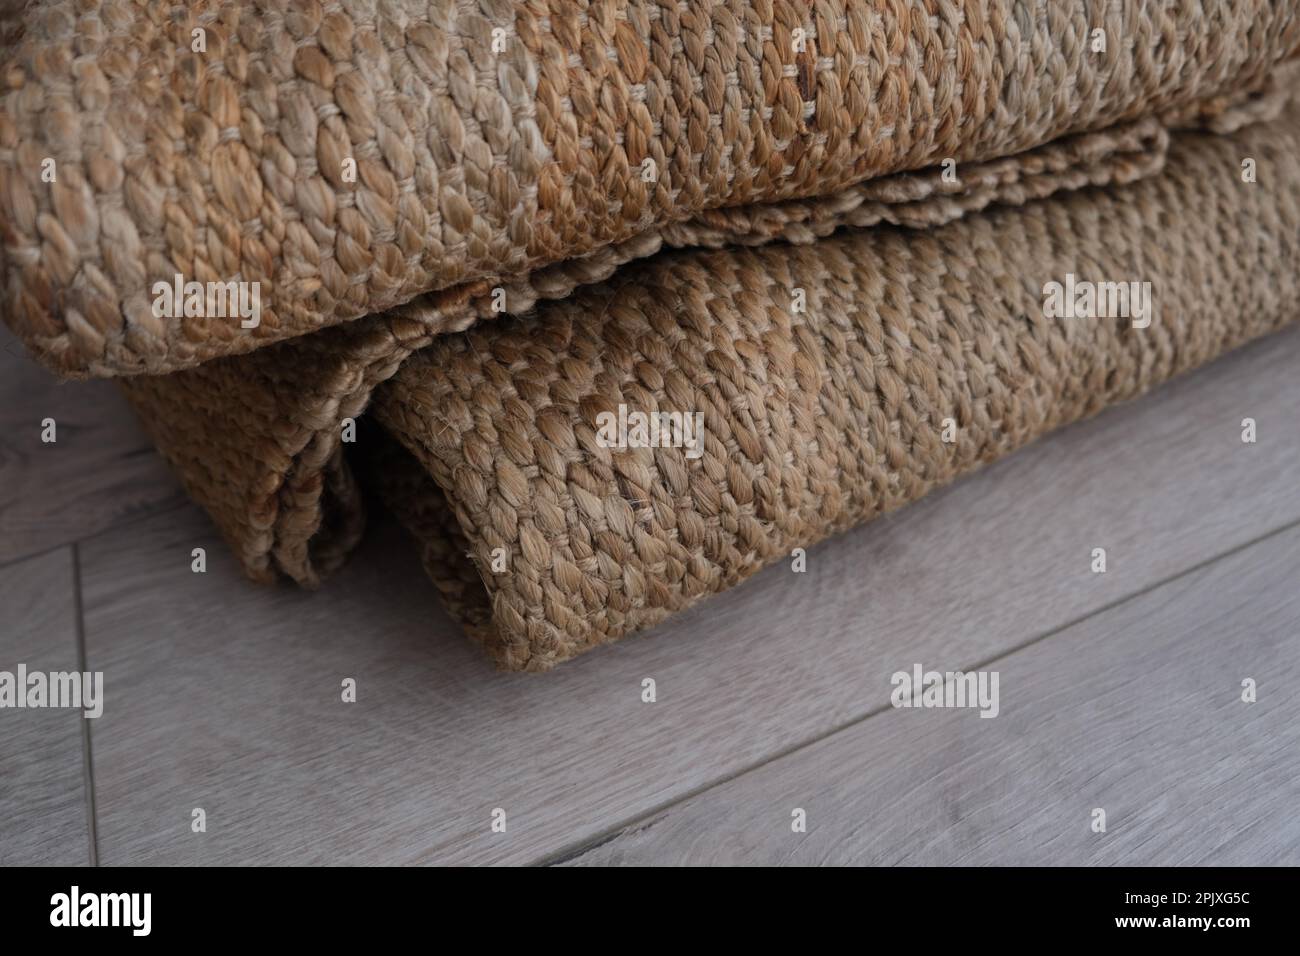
(825, 375)
(933, 233)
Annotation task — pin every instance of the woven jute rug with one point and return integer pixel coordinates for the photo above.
(833, 381)
(615, 303)
(343, 159)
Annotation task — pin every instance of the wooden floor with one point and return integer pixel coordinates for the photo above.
(1119, 691)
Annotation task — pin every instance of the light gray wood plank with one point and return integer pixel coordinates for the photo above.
(229, 694)
(101, 471)
(1137, 711)
(43, 800)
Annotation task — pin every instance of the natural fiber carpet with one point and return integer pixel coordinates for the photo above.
(813, 420)
(886, 196)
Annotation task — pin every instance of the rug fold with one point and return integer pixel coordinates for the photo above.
(835, 381)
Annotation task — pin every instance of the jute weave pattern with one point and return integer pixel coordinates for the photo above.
(267, 425)
(815, 419)
(492, 138)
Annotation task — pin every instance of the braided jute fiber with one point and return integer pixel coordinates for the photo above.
(257, 438)
(814, 420)
(492, 138)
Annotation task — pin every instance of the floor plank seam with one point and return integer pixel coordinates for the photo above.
(87, 753)
(121, 525)
(565, 855)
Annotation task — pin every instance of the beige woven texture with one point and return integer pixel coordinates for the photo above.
(814, 420)
(257, 438)
(495, 138)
